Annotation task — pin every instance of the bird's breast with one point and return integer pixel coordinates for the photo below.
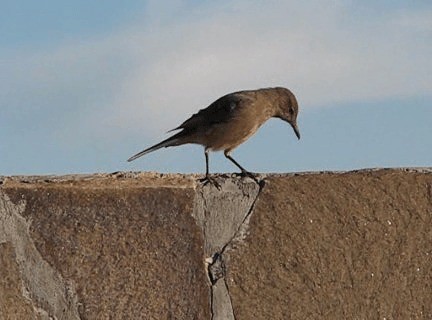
(227, 136)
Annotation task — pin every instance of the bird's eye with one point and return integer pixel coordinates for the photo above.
(291, 111)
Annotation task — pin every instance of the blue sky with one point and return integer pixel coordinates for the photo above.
(84, 85)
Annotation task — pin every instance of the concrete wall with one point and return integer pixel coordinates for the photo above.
(355, 245)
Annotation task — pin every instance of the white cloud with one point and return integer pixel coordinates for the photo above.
(315, 49)
(181, 58)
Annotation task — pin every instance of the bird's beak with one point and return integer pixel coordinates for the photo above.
(296, 129)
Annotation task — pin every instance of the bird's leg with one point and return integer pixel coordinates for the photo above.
(207, 178)
(244, 172)
(207, 162)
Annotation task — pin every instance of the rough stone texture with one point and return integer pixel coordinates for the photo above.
(12, 302)
(354, 245)
(223, 215)
(38, 282)
(130, 247)
(337, 246)
(221, 301)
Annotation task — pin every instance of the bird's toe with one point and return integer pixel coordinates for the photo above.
(244, 174)
(207, 179)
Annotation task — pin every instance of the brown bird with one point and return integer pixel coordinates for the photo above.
(231, 120)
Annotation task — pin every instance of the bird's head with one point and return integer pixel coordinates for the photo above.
(288, 109)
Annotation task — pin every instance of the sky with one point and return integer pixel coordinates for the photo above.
(86, 84)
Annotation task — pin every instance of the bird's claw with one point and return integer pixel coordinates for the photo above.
(207, 179)
(244, 174)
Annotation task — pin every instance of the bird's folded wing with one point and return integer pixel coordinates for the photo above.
(222, 110)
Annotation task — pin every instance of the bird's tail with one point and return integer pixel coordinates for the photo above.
(175, 140)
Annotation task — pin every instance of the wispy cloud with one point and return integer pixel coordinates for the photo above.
(148, 76)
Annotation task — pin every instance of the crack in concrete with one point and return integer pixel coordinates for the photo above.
(241, 231)
(223, 215)
(216, 268)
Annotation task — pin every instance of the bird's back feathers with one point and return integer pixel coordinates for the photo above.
(222, 110)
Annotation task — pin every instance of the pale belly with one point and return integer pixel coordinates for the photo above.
(228, 136)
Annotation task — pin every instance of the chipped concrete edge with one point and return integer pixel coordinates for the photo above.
(139, 174)
(42, 286)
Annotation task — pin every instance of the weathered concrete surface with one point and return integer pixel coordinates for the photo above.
(221, 213)
(354, 245)
(40, 285)
(12, 301)
(337, 246)
(223, 217)
(129, 246)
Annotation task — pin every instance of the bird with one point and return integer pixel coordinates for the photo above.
(231, 120)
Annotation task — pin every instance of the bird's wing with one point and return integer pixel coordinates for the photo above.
(222, 110)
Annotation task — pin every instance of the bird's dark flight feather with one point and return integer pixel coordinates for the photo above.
(219, 111)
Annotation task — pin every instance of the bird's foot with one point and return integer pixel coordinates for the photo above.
(245, 174)
(207, 179)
